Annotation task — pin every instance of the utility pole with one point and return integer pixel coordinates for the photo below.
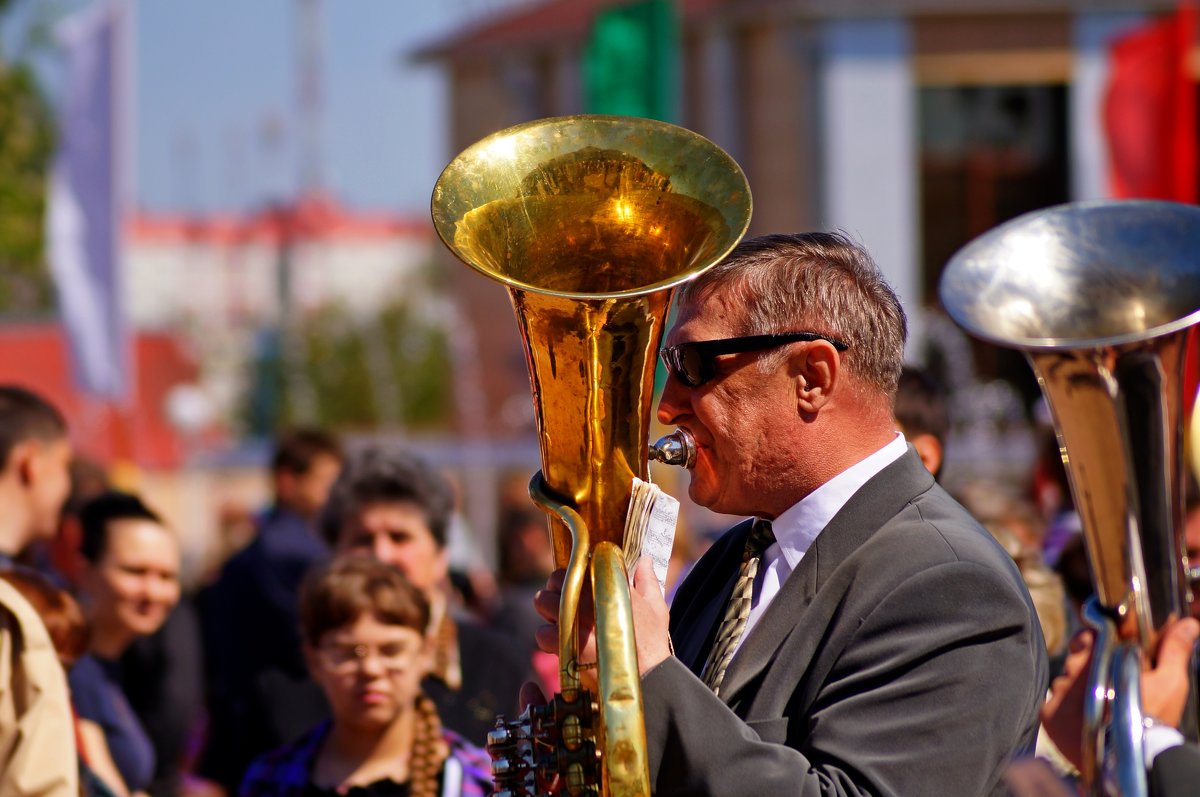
(309, 114)
(310, 65)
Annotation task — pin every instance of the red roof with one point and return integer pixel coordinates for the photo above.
(538, 23)
(317, 216)
(36, 356)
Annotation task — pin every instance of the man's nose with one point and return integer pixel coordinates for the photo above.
(381, 548)
(161, 588)
(674, 403)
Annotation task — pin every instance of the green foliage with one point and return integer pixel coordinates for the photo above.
(26, 147)
(388, 371)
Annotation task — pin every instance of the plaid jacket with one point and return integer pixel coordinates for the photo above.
(285, 772)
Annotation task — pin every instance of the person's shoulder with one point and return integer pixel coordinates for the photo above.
(86, 670)
(89, 684)
(240, 564)
(284, 770)
(934, 528)
(285, 537)
(475, 762)
(19, 616)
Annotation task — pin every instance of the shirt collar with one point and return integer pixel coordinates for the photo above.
(798, 526)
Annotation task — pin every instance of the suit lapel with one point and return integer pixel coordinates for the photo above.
(696, 614)
(874, 504)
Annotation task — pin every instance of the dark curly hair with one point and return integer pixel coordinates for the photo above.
(379, 476)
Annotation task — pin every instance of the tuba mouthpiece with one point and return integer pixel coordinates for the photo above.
(677, 448)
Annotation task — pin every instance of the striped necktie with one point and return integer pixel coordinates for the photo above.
(737, 611)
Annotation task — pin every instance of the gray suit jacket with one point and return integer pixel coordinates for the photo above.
(1176, 772)
(902, 657)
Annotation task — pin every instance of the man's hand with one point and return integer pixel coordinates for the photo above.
(1164, 687)
(531, 695)
(1062, 713)
(650, 620)
(546, 602)
(651, 617)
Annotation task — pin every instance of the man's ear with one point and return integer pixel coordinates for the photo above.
(23, 462)
(816, 368)
(442, 566)
(929, 450)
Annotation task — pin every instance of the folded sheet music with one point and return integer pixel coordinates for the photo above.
(650, 528)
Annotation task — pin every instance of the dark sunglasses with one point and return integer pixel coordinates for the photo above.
(694, 363)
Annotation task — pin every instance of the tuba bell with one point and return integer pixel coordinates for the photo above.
(590, 222)
(1102, 298)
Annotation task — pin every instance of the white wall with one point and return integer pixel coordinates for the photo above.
(869, 145)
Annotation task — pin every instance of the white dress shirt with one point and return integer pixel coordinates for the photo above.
(797, 527)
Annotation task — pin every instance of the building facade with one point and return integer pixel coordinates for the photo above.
(914, 125)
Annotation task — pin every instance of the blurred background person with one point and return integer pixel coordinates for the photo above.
(1191, 531)
(36, 739)
(526, 561)
(68, 633)
(258, 692)
(129, 583)
(162, 676)
(922, 415)
(35, 456)
(396, 507)
(88, 479)
(364, 640)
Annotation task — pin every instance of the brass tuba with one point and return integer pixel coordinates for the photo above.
(591, 222)
(1102, 298)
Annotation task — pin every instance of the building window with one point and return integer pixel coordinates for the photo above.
(988, 153)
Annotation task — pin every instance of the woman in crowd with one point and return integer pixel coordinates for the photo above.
(128, 585)
(364, 640)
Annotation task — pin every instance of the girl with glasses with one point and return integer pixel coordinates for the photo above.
(363, 628)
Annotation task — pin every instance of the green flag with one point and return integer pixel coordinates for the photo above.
(631, 62)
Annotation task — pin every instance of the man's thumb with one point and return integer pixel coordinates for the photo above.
(644, 579)
(1180, 637)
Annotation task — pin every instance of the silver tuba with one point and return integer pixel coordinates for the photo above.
(1102, 298)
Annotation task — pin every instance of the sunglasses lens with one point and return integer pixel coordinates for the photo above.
(675, 359)
(691, 366)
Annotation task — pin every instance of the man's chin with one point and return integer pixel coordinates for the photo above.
(703, 493)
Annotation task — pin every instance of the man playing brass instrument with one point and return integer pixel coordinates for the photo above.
(861, 634)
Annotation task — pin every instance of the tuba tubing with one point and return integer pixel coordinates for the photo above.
(1102, 298)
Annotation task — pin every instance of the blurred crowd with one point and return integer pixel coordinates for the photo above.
(337, 639)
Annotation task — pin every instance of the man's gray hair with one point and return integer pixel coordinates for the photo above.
(814, 282)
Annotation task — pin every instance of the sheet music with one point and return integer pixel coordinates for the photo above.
(650, 528)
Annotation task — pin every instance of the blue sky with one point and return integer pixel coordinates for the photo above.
(217, 94)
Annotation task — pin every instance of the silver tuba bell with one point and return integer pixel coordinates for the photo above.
(1102, 298)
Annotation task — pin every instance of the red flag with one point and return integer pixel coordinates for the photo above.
(1150, 111)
